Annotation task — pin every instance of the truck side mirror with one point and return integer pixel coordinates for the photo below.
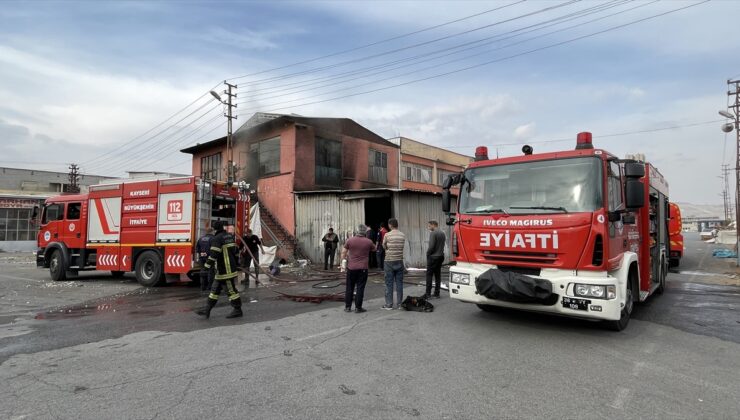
(451, 180)
(446, 200)
(634, 170)
(634, 194)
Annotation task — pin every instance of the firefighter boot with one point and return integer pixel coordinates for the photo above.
(236, 312)
(206, 310)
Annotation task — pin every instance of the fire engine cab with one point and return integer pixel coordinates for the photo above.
(577, 233)
(149, 227)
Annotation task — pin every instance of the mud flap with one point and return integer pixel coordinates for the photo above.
(515, 287)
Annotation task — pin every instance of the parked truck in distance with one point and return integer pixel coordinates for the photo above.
(577, 233)
(675, 230)
(149, 227)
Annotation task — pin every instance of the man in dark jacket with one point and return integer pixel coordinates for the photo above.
(330, 241)
(223, 255)
(252, 244)
(435, 258)
(203, 248)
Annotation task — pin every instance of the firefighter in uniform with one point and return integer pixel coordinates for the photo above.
(203, 248)
(223, 254)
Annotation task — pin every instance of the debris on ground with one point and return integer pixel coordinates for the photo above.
(724, 253)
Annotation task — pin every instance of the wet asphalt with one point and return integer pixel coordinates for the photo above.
(701, 298)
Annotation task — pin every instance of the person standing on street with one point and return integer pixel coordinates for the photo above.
(370, 234)
(356, 250)
(251, 256)
(435, 258)
(223, 255)
(330, 240)
(202, 248)
(380, 251)
(393, 243)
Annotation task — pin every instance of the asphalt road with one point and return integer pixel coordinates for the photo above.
(143, 354)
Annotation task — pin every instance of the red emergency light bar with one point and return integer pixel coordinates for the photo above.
(481, 153)
(583, 141)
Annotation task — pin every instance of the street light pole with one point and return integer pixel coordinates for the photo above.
(733, 113)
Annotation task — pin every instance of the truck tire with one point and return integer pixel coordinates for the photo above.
(57, 266)
(674, 262)
(149, 269)
(663, 275)
(117, 274)
(624, 319)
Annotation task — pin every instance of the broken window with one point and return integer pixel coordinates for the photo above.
(378, 166)
(328, 162)
(210, 167)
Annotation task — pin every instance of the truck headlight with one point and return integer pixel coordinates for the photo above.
(595, 291)
(459, 278)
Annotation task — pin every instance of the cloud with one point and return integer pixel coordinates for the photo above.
(524, 132)
(245, 39)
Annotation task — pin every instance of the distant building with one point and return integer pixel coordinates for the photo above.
(311, 173)
(20, 191)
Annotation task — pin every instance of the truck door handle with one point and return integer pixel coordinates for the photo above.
(624, 243)
(56, 235)
(78, 235)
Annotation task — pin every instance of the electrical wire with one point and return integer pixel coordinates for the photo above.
(415, 59)
(155, 127)
(413, 72)
(496, 60)
(355, 60)
(125, 158)
(373, 43)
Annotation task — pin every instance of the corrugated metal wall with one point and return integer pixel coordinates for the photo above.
(413, 211)
(315, 213)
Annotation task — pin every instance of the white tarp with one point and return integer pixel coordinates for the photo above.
(255, 224)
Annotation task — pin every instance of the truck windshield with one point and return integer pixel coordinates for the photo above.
(548, 186)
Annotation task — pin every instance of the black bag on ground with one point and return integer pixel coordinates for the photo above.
(514, 287)
(418, 304)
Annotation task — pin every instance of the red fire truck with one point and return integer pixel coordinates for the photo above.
(675, 231)
(576, 233)
(149, 227)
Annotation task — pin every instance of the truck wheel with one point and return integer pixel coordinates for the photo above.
(57, 267)
(117, 274)
(149, 269)
(663, 275)
(489, 308)
(674, 262)
(624, 319)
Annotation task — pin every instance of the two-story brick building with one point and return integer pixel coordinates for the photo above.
(310, 174)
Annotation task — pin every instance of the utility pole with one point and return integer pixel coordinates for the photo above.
(74, 177)
(230, 105)
(733, 113)
(229, 116)
(726, 192)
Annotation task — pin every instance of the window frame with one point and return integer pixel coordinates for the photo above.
(211, 165)
(45, 216)
(70, 206)
(376, 156)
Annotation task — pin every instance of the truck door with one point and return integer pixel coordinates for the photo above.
(50, 224)
(72, 226)
(618, 242)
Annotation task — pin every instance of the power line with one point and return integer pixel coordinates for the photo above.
(496, 60)
(375, 43)
(153, 128)
(538, 26)
(130, 152)
(602, 136)
(121, 165)
(343, 63)
(579, 25)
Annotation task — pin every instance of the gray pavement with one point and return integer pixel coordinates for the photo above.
(141, 354)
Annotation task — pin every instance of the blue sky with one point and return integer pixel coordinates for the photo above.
(78, 79)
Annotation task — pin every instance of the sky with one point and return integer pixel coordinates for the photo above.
(95, 83)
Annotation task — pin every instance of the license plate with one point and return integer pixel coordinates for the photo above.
(574, 303)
